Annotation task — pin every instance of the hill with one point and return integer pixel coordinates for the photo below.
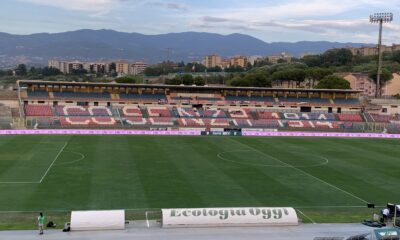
(108, 44)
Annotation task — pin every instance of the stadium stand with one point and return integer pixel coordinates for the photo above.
(38, 110)
(81, 95)
(154, 97)
(351, 117)
(304, 101)
(87, 121)
(213, 113)
(347, 101)
(5, 117)
(174, 107)
(38, 94)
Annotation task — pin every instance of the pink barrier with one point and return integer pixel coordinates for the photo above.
(192, 133)
(97, 132)
(319, 134)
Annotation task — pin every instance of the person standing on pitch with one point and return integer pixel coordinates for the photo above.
(41, 223)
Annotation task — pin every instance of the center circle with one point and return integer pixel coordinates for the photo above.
(255, 158)
(78, 157)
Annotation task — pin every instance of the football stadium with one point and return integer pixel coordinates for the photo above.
(326, 154)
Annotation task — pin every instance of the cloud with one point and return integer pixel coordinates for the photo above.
(93, 6)
(171, 5)
(339, 19)
(215, 19)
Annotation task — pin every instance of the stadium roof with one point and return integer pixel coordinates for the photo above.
(180, 87)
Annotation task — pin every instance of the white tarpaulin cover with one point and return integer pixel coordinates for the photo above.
(97, 220)
(209, 217)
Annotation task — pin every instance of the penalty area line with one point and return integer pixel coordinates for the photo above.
(52, 163)
(48, 169)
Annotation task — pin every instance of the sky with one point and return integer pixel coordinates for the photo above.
(268, 20)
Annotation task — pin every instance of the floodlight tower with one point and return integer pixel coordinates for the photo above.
(380, 18)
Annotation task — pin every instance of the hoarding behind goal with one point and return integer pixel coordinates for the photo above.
(214, 217)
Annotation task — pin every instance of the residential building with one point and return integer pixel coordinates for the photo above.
(362, 82)
(225, 63)
(212, 61)
(74, 66)
(238, 61)
(137, 68)
(274, 59)
(371, 51)
(122, 67)
(253, 59)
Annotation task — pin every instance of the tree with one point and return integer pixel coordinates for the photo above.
(258, 79)
(173, 81)
(333, 82)
(199, 81)
(197, 67)
(294, 75)
(50, 71)
(127, 79)
(21, 70)
(337, 57)
(214, 69)
(112, 67)
(187, 79)
(312, 60)
(79, 72)
(249, 66)
(239, 82)
(396, 56)
(316, 74)
(234, 69)
(153, 71)
(385, 76)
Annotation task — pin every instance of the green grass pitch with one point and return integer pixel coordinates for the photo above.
(325, 179)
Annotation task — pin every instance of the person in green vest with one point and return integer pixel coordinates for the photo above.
(41, 223)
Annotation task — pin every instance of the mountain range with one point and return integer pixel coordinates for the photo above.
(112, 45)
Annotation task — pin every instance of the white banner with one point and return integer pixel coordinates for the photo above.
(214, 217)
(97, 220)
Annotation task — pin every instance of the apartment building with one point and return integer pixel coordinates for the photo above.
(121, 67)
(362, 82)
(371, 51)
(282, 56)
(137, 68)
(238, 61)
(212, 61)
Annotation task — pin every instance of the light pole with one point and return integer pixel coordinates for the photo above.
(380, 18)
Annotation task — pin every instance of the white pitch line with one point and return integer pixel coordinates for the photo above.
(312, 221)
(147, 221)
(55, 159)
(305, 173)
(19, 182)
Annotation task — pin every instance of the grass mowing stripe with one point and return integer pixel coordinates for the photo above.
(305, 173)
(55, 159)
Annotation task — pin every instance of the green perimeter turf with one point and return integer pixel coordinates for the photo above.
(327, 179)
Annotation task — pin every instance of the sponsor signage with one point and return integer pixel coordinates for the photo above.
(221, 133)
(209, 217)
